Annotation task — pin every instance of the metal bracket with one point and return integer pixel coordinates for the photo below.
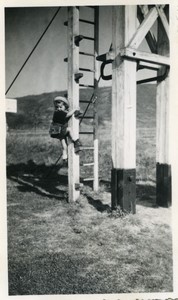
(78, 39)
(78, 186)
(157, 78)
(78, 76)
(104, 63)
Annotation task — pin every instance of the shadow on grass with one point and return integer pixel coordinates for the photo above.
(40, 179)
(146, 195)
(98, 204)
(45, 181)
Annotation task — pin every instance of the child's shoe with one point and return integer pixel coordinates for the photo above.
(77, 146)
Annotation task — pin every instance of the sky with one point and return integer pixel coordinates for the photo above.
(46, 70)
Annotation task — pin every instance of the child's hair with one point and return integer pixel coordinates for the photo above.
(63, 99)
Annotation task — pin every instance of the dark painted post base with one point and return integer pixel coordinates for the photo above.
(123, 189)
(163, 185)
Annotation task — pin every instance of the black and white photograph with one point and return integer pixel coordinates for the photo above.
(89, 148)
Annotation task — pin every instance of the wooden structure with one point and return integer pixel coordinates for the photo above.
(123, 111)
(126, 59)
(74, 76)
(73, 98)
(163, 167)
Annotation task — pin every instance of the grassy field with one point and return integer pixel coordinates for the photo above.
(83, 248)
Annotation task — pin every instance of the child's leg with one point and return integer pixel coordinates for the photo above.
(64, 147)
(75, 140)
(72, 135)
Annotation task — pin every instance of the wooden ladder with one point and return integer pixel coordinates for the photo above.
(89, 137)
(91, 115)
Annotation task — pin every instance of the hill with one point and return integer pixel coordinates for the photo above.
(35, 111)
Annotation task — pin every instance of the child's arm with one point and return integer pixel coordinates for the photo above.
(73, 111)
(70, 113)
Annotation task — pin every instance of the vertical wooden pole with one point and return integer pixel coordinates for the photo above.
(163, 167)
(73, 98)
(96, 67)
(123, 112)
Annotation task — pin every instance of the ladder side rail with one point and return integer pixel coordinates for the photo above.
(73, 97)
(95, 108)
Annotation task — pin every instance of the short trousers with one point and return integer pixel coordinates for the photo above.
(58, 131)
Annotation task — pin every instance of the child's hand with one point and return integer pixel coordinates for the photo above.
(78, 114)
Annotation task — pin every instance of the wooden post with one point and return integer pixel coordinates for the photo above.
(123, 111)
(96, 67)
(73, 98)
(163, 167)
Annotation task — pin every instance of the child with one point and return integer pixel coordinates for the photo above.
(59, 127)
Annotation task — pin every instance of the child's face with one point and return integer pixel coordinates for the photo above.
(59, 105)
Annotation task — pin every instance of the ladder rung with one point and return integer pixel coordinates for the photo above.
(87, 117)
(86, 21)
(86, 70)
(86, 53)
(88, 38)
(87, 148)
(86, 85)
(86, 132)
(88, 164)
(84, 101)
(88, 179)
(81, 20)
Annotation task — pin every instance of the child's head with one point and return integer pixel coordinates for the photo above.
(61, 103)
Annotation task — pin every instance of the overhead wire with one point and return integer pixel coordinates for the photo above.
(33, 50)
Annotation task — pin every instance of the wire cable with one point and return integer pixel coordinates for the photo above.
(91, 101)
(33, 50)
(92, 96)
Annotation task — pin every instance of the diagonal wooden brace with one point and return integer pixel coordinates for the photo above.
(144, 28)
(150, 38)
(163, 19)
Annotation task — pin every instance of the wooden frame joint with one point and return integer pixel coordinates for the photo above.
(134, 54)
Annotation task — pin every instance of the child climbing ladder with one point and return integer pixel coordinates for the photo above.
(59, 126)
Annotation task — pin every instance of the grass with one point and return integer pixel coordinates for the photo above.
(56, 247)
(83, 248)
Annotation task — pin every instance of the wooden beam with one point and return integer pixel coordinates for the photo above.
(96, 77)
(144, 9)
(147, 65)
(150, 38)
(123, 90)
(123, 110)
(163, 167)
(145, 56)
(73, 98)
(163, 19)
(143, 29)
